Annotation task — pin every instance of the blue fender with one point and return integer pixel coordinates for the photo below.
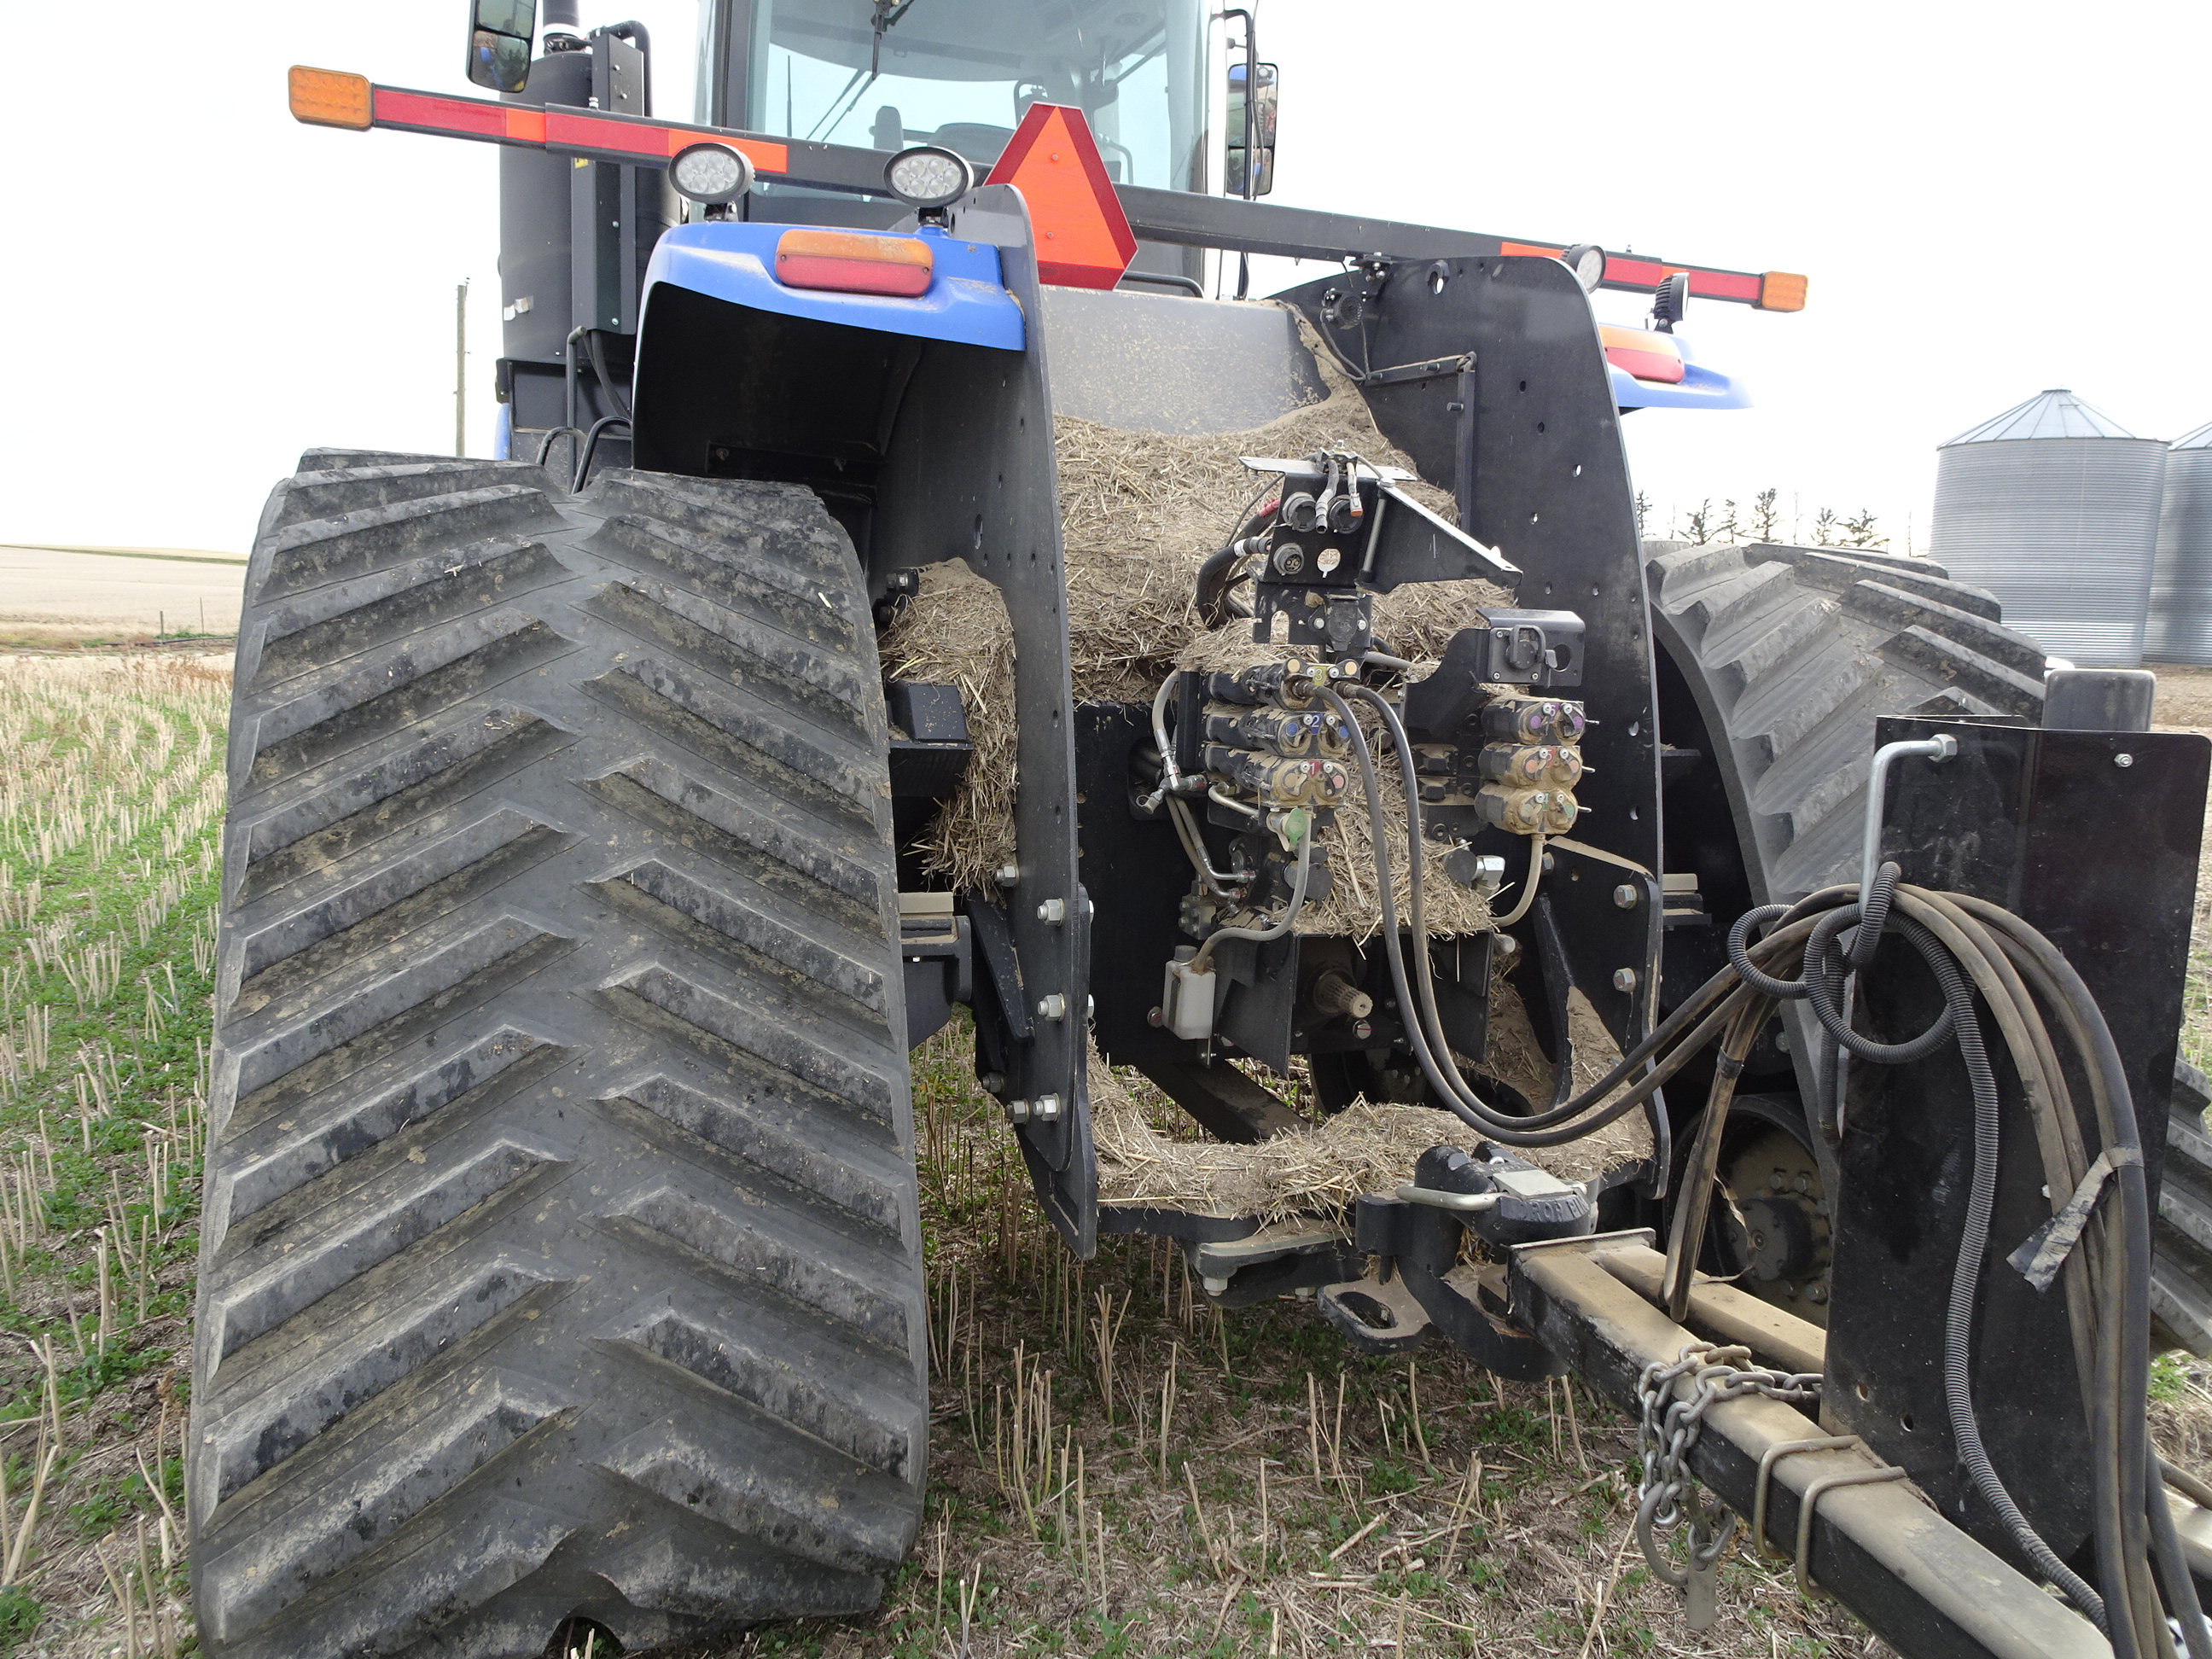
(966, 300)
(1700, 387)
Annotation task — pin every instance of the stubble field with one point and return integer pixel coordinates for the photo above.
(1116, 1469)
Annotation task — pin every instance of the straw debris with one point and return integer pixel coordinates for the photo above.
(1139, 512)
(1369, 1147)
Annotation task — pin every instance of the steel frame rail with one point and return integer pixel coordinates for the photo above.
(1919, 1582)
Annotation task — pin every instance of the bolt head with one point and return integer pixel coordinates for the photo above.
(1052, 1007)
(1363, 1028)
(1625, 896)
(2123, 760)
(1018, 1111)
(1054, 911)
(1507, 945)
(1045, 1108)
(1154, 1017)
(1817, 1293)
(1624, 979)
(991, 1082)
(1007, 875)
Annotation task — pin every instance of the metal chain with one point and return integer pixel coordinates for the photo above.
(1670, 1428)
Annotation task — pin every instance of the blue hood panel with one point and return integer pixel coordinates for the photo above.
(1700, 387)
(966, 300)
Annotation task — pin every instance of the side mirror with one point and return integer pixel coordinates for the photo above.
(1251, 172)
(500, 33)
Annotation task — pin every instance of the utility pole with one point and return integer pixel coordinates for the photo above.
(461, 369)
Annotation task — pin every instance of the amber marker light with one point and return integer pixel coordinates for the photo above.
(849, 262)
(329, 97)
(1781, 290)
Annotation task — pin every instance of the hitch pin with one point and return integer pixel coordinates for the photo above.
(1939, 748)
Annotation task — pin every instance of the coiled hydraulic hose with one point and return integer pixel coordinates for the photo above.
(1973, 948)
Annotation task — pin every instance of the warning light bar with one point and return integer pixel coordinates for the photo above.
(1771, 290)
(335, 98)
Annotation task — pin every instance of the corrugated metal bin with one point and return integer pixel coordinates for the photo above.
(2054, 508)
(2180, 625)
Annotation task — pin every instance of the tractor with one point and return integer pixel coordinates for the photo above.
(591, 867)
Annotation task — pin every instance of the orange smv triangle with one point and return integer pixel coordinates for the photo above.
(1083, 239)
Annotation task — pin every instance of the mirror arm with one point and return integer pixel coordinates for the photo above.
(1251, 101)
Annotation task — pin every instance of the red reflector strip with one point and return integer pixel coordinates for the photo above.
(848, 262)
(427, 112)
(526, 124)
(566, 132)
(1642, 354)
(1703, 284)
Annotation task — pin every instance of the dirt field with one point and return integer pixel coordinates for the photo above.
(64, 596)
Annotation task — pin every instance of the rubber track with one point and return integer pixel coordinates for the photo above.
(561, 1256)
(1792, 653)
(2181, 1268)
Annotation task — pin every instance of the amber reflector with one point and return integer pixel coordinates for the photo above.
(329, 97)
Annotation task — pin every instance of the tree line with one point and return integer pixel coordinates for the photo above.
(1760, 520)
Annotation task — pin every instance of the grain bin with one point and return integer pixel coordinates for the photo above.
(2054, 508)
(2180, 626)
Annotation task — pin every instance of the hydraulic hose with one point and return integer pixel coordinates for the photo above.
(1700, 1018)
(1965, 1280)
(1277, 928)
(1973, 948)
(1528, 888)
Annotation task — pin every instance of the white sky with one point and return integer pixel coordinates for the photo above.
(1989, 199)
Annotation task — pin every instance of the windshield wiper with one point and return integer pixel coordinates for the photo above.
(888, 12)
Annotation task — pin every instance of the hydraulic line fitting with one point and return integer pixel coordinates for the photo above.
(1294, 735)
(1527, 811)
(1277, 782)
(1530, 766)
(1289, 684)
(1532, 720)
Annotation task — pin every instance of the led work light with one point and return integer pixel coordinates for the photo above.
(928, 176)
(712, 175)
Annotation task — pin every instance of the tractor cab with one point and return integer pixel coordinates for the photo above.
(1153, 79)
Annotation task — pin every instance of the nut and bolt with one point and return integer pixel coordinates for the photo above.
(1054, 911)
(1154, 1017)
(1045, 1108)
(1007, 875)
(1018, 1111)
(1363, 1029)
(992, 1081)
(1624, 979)
(1625, 896)
(1052, 1007)
(1507, 945)
(1817, 1292)
(2123, 760)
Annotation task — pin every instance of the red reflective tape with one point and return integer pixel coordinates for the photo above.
(1526, 248)
(1705, 284)
(566, 132)
(1724, 285)
(430, 113)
